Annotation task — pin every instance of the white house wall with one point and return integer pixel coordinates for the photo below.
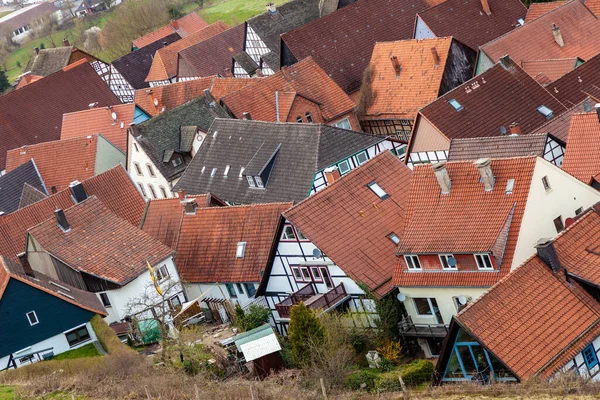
(139, 156)
(256, 48)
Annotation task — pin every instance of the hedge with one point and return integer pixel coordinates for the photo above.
(107, 336)
(417, 372)
(413, 374)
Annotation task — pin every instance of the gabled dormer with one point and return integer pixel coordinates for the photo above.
(259, 169)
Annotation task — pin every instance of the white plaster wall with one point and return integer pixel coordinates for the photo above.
(142, 159)
(566, 195)
(58, 343)
(422, 31)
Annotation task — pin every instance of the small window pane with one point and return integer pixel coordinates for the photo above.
(316, 273)
(297, 274)
(250, 289)
(545, 111)
(579, 211)
(422, 306)
(546, 183)
(394, 238)
(305, 273)
(455, 104)
(231, 289)
(344, 167)
(301, 235)
(32, 317)
(288, 233)
(558, 224)
(241, 250)
(509, 186)
(362, 157)
(251, 181)
(378, 190)
(343, 124)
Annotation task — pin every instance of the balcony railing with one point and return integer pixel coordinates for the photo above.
(312, 299)
(410, 329)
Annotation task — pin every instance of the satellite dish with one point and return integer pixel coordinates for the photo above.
(401, 297)
(317, 253)
(452, 262)
(462, 299)
(502, 130)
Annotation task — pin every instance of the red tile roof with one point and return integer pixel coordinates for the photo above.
(551, 69)
(34, 113)
(582, 157)
(184, 26)
(113, 187)
(533, 319)
(27, 79)
(206, 251)
(351, 224)
(99, 120)
(497, 98)
(438, 223)
(578, 26)
(164, 65)
(559, 125)
(305, 78)
(467, 22)
(419, 82)
(100, 243)
(176, 94)
(538, 9)
(9, 269)
(573, 87)
(342, 42)
(60, 162)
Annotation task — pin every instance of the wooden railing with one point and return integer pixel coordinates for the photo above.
(330, 298)
(409, 328)
(325, 302)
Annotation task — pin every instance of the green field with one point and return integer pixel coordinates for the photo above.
(89, 350)
(4, 13)
(233, 12)
(7, 393)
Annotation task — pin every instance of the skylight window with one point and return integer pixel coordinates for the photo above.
(213, 172)
(242, 172)
(394, 238)
(226, 171)
(509, 186)
(241, 250)
(545, 111)
(455, 104)
(378, 190)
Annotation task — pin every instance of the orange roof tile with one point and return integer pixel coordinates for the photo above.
(351, 224)
(206, 251)
(468, 220)
(551, 69)
(184, 26)
(100, 121)
(578, 26)
(419, 81)
(176, 94)
(164, 65)
(60, 162)
(305, 78)
(27, 79)
(536, 10)
(100, 243)
(582, 157)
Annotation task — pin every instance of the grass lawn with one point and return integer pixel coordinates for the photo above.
(7, 393)
(4, 13)
(233, 12)
(89, 350)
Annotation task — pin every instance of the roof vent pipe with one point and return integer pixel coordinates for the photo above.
(485, 170)
(441, 173)
(61, 220)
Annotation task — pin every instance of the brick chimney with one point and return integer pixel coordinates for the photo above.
(190, 206)
(441, 173)
(182, 194)
(436, 57)
(246, 116)
(485, 170)
(66, 42)
(506, 62)
(515, 128)
(396, 64)
(486, 7)
(61, 220)
(25, 264)
(331, 174)
(175, 24)
(557, 35)
(78, 191)
(547, 252)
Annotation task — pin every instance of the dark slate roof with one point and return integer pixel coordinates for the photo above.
(559, 125)
(301, 151)
(12, 183)
(272, 60)
(49, 61)
(30, 195)
(168, 133)
(573, 87)
(135, 66)
(246, 62)
(497, 147)
(289, 16)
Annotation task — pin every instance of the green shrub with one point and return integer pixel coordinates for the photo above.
(251, 318)
(368, 377)
(388, 382)
(385, 365)
(305, 330)
(417, 372)
(107, 337)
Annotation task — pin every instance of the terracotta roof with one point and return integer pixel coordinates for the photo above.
(33, 114)
(9, 269)
(536, 10)
(497, 98)
(559, 125)
(164, 65)
(12, 185)
(183, 27)
(491, 213)
(551, 69)
(100, 243)
(60, 162)
(532, 317)
(27, 79)
(305, 78)
(99, 120)
(350, 224)
(419, 82)
(206, 251)
(113, 187)
(467, 22)
(497, 147)
(213, 56)
(176, 94)
(342, 42)
(578, 26)
(573, 87)
(582, 157)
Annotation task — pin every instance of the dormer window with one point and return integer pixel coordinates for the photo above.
(309, 118)
(259, 182)
(241, 250)
(484, 262)
(251, 181)
(545, 111)
(448, 261)
(378, 190)
(412, 262)
(455, 104)
(299, 119)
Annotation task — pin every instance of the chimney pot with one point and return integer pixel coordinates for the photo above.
(25, 264)
(396, 64)
(441, 173)
(36, 50)
(597, 107)
(61, 220)
(547, 252)
(190, 206)
(485, 170)
(515, 128)
(557, 35)
(66, 42)
(182, 194)
(247, 116)
(78, 191)
(271, 8)
(486, 7)
(436, 57)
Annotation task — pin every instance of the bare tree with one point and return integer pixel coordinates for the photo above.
(67, 5)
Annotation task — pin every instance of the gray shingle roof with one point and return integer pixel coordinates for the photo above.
(497, 147)
(300, 151)
(246, 62)
(50, 60)
(30, 195)
(11, 185)
(163, 133)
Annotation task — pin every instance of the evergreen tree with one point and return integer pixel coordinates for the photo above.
(42, 46)
(305, 328)
(3, 81)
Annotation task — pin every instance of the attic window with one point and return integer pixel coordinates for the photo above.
(309, 118)
(394, 238)
(242, 172)
(299, 119)
(455, 104)
(378, 190)
(241, 250)
(213, 172)
(509, 186)
(545, 111)
(32, 318)
(259, 182)
(251, 181)
(226, 170)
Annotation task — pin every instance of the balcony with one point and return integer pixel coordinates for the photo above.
(410, 329)
(312, 299)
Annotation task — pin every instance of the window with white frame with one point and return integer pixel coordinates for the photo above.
(484, 262)
(362, 157)
(32, 318)
(152, 192)
(448, 261)
(316, 274)
(288, 233)
(240, 250)
(142, 189)
(343, 124)
(344, 167)
(231, 290)
(161, 273)
(259, 182)
(422, 306)
(394, 238)
(301, 274)
(309, 118)
(163, 191)
(412, 262)
(301, 236)
(105, 300)
(251, 181)
(297, 274)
